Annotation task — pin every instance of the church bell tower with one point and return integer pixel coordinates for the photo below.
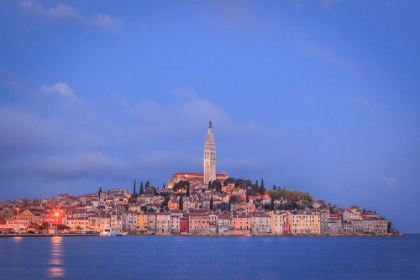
(209, 156)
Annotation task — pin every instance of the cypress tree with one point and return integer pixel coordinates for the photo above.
(164, 186)
(247, 195)
(134, 188)
(272, 203)
(211, 203)
(262, 183)
(188, 188)
(141, 188)
(181, 204)
(147, 185)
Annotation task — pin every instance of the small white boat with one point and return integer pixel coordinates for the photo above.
(108, 232)
(121, 233)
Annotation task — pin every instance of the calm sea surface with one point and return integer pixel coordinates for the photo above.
(152, 257)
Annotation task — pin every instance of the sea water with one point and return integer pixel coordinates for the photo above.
(189, 257)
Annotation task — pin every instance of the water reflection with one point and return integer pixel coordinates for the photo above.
(17, 239)
(55, 269)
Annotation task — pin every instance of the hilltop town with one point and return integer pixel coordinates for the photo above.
(192, 203)
(195, 212)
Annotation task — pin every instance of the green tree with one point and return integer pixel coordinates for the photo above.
(216, 185)
(147, 185)
(141, 188)
(150, 190)
(164, 186)
(238, 182)
(262, 189)
(272, 203)
(211, 203)
(247, 195)
(229, 180)
(165, 201)
(134, 188)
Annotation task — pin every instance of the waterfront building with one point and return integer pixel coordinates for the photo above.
(151, 223)
(223, 224)
(15, 225)
(373, 223)
(199, 223)
(163, 223)
(53, 218)
(278, 220)
(176, 222)
(142, 223)
(260, 223)
(241, 224)
(352, 213)
(184, 225)
(27, 215)
(334, 225)
(116, 221)
(212, 224)
(77, 223)
(104, 222)
(303, 223)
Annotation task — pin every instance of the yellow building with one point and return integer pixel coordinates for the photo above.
(304, 223)
(142, 223)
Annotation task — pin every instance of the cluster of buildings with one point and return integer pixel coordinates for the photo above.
(200, 211)
(203, 213)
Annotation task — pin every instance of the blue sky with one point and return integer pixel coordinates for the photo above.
(318, 96)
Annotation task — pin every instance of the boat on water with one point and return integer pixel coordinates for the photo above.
(121, 233)
(108, 232)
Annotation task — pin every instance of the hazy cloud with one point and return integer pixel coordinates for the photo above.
(326, 54)
(61, 89)
(390, 182)
(327, 4)
(23, 132)
(65, 12)
(191, 114)
(106, 22)
(358, 100)
(8, 80)
(89, 164)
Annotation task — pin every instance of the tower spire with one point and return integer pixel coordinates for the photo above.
(209, 156)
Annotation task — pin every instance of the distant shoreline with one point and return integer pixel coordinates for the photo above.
(286, 235)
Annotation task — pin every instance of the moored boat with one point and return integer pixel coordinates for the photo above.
(108, 232)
